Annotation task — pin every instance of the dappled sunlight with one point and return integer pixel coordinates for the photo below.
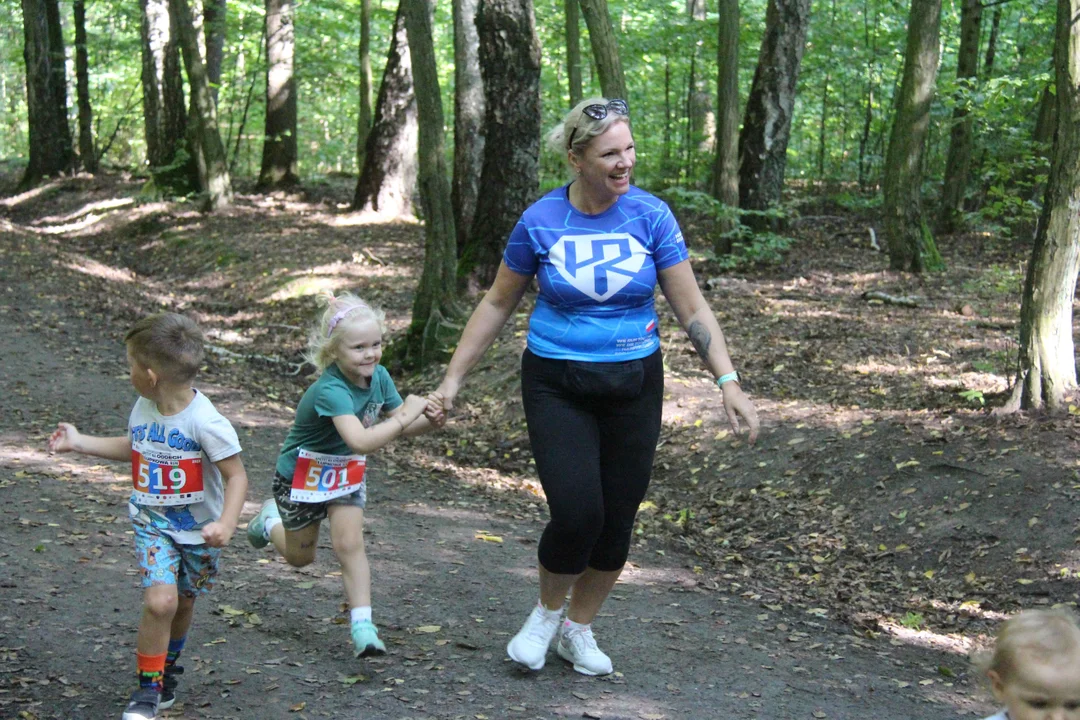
(65, 467)
(949, 643)
(16, 200)
(89, 266)
(67, 219)
(371, 217)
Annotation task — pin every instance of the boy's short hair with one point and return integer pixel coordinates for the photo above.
(169, 343)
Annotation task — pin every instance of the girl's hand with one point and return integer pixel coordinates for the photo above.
(217, 534)
(737, 405)
(435, 412)
(413, 408)
(65, 438)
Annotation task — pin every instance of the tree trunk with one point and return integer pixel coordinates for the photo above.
(213, 169)
(604, 47)
(911, 245)
(87, 152)
(510, 65)
(1046, 120)
(363, 124)
(434, 301)
(767, 123)
(279, 155)
(726, 168)
(991, 43)
(51, 152)
(214, 27)
(572, 13)
(961, 135)
(468, 119)
(822, 127)
(1047, 369)
(389, 170)
(702, 118)
(164, 109)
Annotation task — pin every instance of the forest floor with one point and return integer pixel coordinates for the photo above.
(844, 567)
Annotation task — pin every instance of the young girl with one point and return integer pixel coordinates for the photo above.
(351, 410)
(1035, 667)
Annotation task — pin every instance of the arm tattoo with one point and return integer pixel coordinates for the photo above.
(699, 335)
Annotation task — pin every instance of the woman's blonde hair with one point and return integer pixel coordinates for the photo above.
(1038, 634)
(340, 310)
(578, 129)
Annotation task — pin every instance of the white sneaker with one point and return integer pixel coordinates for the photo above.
(578, 646)
(529, 647)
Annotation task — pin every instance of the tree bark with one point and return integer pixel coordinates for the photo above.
(991, 43)
(434, 301)
(214, 28)
(363, 124)
(1047, 371)
(911, 245)
(604, 47)
(700, 112)
(572, 13)
(468, 119)
(726, 167)
(767, 123)
(510, 65)
(961, 135)
(1046, 120)
(164, 109)
(51, 152)
(214, 179)
(87, 152)
(279, 153)
(389, 170)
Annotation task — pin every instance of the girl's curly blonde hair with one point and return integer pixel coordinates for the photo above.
(338, 311)
(1038, 634)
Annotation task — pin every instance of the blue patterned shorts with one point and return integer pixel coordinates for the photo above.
(163, 561)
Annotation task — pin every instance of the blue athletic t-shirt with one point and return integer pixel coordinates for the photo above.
(597, 274)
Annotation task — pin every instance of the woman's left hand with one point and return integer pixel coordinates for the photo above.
(737, 404)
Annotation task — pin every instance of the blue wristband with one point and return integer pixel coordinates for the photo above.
(731, 376)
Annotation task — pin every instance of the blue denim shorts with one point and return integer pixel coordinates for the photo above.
(163, 561)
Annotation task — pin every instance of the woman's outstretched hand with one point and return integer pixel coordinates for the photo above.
(738, 405)
(436, 411)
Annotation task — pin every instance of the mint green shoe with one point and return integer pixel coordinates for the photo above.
(365, 637)
(256, 531)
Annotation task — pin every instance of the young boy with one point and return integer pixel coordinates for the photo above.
(180, 449)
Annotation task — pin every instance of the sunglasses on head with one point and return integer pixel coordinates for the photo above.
(599, 112)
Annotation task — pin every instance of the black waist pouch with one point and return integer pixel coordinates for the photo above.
(622, 380)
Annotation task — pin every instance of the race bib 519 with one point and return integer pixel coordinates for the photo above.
(319, 477)
(166, 479)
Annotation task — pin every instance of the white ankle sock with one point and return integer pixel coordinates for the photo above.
(571, 626)
(359, 614)
(269, 524)
(550, 613)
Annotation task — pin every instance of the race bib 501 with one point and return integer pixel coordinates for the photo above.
(319, 477)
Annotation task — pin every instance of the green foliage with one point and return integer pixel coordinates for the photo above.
(973, 396)
(913, 620)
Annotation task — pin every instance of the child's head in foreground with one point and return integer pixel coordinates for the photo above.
(166, 347)
(1035, 666)
(349, 332)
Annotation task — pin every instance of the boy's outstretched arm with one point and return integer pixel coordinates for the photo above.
(67, 438)
(219, 532)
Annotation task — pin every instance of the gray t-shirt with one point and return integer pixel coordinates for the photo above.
(176, 486)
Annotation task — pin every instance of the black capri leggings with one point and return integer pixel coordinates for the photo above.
(594, 451)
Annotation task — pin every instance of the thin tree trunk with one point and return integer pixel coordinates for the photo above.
(870, 43)
(604, 47)
(51, 151)
(961, 134)
(510, 65)
(87, 152)
(1047, 371)
(434, 301)
(767, 124)
(822, 126)
(1046, 119)
(214, 178)
(164, 107)
(388, 175)
(468, 119)
(726, 167)
(991, 43)
(573, 49)
(214, 28)
(363, 124)
(279, 156)
(911, 245)
(702, 118)
(666, 161)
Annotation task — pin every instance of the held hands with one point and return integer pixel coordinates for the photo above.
(737, 405)
(65, 438)
(218, 534)
(436, 411)
(413, 407)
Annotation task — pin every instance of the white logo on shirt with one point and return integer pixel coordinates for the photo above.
(598, 265)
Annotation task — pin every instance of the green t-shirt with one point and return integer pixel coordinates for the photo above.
(329, 396)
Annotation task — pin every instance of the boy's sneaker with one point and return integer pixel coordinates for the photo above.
(578, 646)
(529, 647)
(365, 637)
(256, 532)
(143, 705)
(169, 683)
